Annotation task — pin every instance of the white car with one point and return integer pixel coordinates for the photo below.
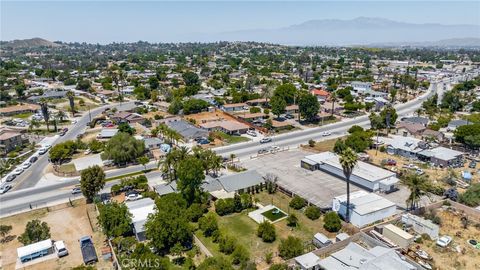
(26, 165)
(133, 197)
(61, 249)
(266, 140)
(274, 148)
(444, 241)
(17, 171)
(74, 121)
(42, 150)
(326, 133)
(5, 188)
(252, 133)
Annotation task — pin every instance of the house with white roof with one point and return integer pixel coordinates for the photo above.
(140, 210)
(365, 175)
(308, 261)
(365, 208)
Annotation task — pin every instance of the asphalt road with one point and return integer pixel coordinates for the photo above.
(32, 175)
(41, 196)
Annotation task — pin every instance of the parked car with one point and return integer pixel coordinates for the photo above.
(76, 190)
(26, 165)
(262, 151)
(18, 171)
(10, 177)
(266, 140)
(33, 159)
(5, 188)
(89, 254)
(419, 171)
(389, 162)
(252, 133)
(326, 133)
(444, 241)
(289, 116)
(472, 165)
(133, 197)
(87, 152)
(274, 148)
(60, 248)
(42, 150)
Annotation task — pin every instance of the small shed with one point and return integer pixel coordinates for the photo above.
(341, 237)
(320, 240)
(308, 261)
(421, 225)
(397, 235)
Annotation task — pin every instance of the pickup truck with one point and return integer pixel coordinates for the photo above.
(88, 250)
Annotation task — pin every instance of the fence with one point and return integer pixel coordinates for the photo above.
(469, 211)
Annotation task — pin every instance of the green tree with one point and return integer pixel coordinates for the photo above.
(471, 197)
(208, 224)
(169, 224)
(45, 112)
(266, 231)
(462, 132)
(227, 244)
(279, 266)
(114, 218)
(96, 146)
(83, 85)
(4, 231)
(290, 247)
(62, 151)
(35, 231)
(215, 263)
(308, 106)
(126, 128)
(71, 101)
(20, 90)
(142, 253)
(286, 92)
(240, 255)
(292, 220)
(348, 161)
(332, 222)
(418, 186)
(144, 161)
(194, 106)
(297, 202)
(312, 212)
(190, 78)
(92, 181)
(123, 148)
(278, 105)
(389, 116)
(190, 178)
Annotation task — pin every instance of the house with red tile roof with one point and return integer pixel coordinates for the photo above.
(321, 94)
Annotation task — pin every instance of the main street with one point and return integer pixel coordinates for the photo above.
(41, 196)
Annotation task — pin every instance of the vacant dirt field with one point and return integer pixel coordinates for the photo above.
(66, 223)
(466, 257)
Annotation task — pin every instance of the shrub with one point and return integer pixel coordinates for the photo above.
(297, 202)
(266, 111)
(227, 244)
(290, 247)
(278, 266)
(268, 257)
(312, 212)
(332, 222)
(292, 220)
(195, 211)
(225, 206)
(311, 143)
(208, 224)
(240, 255)
(266, 231)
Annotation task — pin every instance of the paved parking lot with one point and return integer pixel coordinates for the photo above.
(316, 186)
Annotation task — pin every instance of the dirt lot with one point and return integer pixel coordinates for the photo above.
(210, 116)
(435, 174)
(450, 258)
(66, 223)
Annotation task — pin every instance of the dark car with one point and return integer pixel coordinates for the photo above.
(33, 159)
(88, 250)
(389, 162)
(262, 151)
(472, 165)
(10, 177)
(289, 116)
(76, 190)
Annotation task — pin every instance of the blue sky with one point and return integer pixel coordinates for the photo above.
(157, 21)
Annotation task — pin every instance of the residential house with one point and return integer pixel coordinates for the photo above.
(361, 87)
(187, 130)
(354, 256)
(226, 126)
(258, 102)
(429, 134)
(140, 210)
(408, 129)
(152, 143)
(291, 109)
(251, 116)
(127, 117)
(308, 261)
(18, 109)
(416, 120)
(407, 147)
(441, 156)
(454, 124)
(321, 94)
(9, 140)
(234, 107)
(107, 133)
(162, 105)
(48, 95)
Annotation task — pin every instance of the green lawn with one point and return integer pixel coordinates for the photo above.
(273, 216)
(22, 115)
(231, 138)
(67, 168)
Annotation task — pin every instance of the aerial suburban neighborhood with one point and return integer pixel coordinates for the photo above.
(238, 155)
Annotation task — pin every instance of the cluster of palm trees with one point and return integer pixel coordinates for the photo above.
(170, 135)
(211, 162)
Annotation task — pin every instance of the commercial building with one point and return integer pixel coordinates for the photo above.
(365, 175)
(140, 210)
(365, 208)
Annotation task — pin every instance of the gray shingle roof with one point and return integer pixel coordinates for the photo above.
(242, 180)
(187, 130)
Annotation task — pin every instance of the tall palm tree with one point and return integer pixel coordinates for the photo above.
(348, 160)
(418, 186)
(45, 112)
(333, 98)
(71, 101)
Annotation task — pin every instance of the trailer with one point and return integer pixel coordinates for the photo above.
(88, 250)
(35, 250)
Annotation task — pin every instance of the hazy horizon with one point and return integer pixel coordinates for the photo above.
(156, 21)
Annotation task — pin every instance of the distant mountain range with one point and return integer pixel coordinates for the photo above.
(30, 43)
(359, 31)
